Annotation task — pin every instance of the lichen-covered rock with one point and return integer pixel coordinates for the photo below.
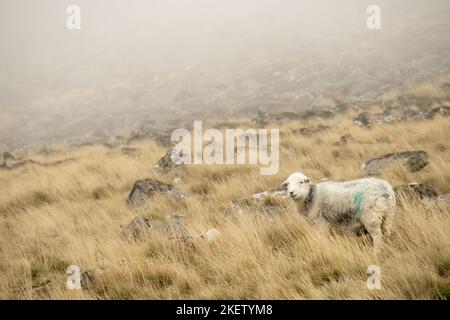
(413, 160)
(144, 189)
(169, 161)
(267, 203)
(138, 228)
(416, 190)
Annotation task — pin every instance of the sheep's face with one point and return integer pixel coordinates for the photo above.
(297, 186)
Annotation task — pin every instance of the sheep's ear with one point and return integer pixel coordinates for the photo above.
(284, 185)
(308, 180)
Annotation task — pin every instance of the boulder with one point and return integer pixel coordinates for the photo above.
(144, 189)
(413, 160)
(309, 131)
(416, 190)
(138, 228)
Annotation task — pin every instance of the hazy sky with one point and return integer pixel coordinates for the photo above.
(131, 43)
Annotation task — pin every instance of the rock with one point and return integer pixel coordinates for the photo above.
(444, 198)
(309, 131)
(168, 162)
(419, 116)
(139, 228)
(413, 160)
(414, 189)
(266, 202)
(392, 114)
(364, 119)
(279, 192)
(261, 119)
(322, 113)
(8, 157)
(443, 111)
(7, 160)
(343, 140)
(145, 189)
(129, 151)
(164, 140)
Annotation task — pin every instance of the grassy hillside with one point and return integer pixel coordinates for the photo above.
(70, 214)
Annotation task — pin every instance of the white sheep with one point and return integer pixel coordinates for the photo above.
(353, 205)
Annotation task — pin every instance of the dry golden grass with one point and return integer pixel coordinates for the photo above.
(53, 217)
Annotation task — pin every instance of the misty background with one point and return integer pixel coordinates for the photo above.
(151, 66)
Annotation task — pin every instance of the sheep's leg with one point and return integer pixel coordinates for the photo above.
(377, 238)
(372, 221)
(388, 218)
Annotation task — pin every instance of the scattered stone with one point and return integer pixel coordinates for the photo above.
(418, 116)
(279, 192)
(144, 189)
(364, 119)
(138, 228)
(444, 198)
(129, 151)
(168, 162)
(316, 112)
(443, 111)
(413, 160)
(392, 114)
(414, 189)
(343, 140)
(267, 203)
(309, 131)
(8, 157)
(164, 140)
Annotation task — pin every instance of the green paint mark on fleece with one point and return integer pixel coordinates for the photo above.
(357, 198)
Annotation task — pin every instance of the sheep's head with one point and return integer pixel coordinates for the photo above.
(297, 186)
